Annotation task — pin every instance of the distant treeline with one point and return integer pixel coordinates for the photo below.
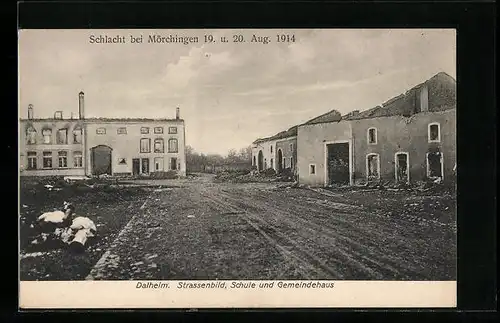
(212, 163)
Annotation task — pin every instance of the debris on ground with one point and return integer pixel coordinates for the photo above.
(253, 176)
(60, 226)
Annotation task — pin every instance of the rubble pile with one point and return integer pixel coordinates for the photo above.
(254, 176)
(59, 228)
(431, 186)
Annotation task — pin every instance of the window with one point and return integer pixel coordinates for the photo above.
(31, 134)
(272, 164)
(172, 145)
(77, 135)
(77, 159)
(145, 165)
(62, 137)
(312, 169)
(47, 136)
(32, 160)
(100, 131)
(284, 162)
(144, 130)
(291, 162)
(159, 147)
(122, 161)
(159, 130)
(291, 147)
(372, 166)
(173, 163)
(121, 131)
(145, 145)
(271, 148)
(63, 159)
(58, 115)
(172, 130)
(434, 132)
(265, 163)
(372, 136)
(254, 161)
(47, 159)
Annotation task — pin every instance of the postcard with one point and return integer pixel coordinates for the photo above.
(237, 168)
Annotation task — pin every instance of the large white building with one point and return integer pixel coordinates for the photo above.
(95, 146)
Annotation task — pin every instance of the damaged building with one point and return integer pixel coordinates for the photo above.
(411, 137)
(278, 152)
(96, 146)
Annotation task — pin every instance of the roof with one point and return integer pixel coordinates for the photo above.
(330, 116)
(281, 135)
(131, 120)
(88, 120)
(442, 96)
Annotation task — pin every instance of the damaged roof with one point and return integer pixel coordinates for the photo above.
(442, 96)
(281, 135)
(106, 119)
(330, 116)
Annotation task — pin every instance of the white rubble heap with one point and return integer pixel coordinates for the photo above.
(75, 235)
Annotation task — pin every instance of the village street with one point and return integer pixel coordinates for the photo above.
(205, 230)
(199, 229)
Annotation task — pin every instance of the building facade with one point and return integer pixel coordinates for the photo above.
(96, 146)
(410, 137)
(325, 153)
(278, 152)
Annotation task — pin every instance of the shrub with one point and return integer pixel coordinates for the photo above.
(269, 172)
(165, 175)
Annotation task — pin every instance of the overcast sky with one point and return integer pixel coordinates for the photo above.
(229, 93)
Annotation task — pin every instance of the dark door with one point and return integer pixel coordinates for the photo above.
(136, 166)
(402, 168)
(101, 160)
(280, 161)
(173, 163)
(260, 160)
(338, 163)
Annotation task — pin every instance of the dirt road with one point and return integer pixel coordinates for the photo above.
(204, 230)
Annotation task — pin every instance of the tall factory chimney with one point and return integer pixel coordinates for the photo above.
(30, 111)
(81, 105)
(177, 113)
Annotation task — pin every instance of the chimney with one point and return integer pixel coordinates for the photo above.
(355, 113)
(81, 105)
(30, 111)
(177, 113)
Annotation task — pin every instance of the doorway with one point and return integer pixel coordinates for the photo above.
(435, 165)
(338, 164)
(260, 161)
(173, 163)
(136, 166)
(280, 161)
(402, 165)
(158, 164)
(101, 160)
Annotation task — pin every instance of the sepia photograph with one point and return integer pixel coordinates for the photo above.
(220, 158)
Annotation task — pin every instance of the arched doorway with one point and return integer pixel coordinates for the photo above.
(280, 161)
(260, 161)
(101, 160)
